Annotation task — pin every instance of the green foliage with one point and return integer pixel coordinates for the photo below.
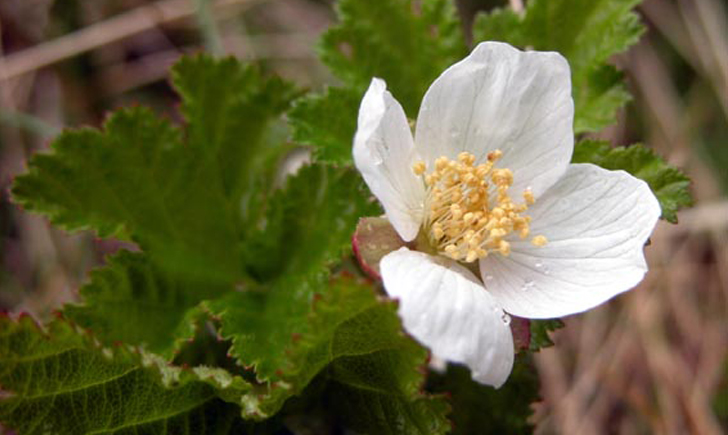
(670, 186)
(62, 383)
(308, 223)
(134, 301)
(540, 333)
(482, 409)
(587, 33)
(327, 123)
(138, 179)
(227, 108)
(349, 331)
(379, 393)
(405, 42)
(373, 368)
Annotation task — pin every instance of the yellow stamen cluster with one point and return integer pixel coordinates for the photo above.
(470, 212)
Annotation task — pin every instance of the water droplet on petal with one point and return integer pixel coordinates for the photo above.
(488, 277)
(377, 149)
(506, 318)
(528, 285)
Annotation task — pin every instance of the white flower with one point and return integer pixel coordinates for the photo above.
(485, 188)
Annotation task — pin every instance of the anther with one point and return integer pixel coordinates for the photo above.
(503, 177)
(528, 196)
(472, 256)
(495, 155)
(466, 158)
(504, 248)
(482, 170)
(456, 212)
(497, 232)
(461, 222)
(539, 241)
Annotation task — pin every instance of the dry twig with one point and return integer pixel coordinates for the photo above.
(103, 33)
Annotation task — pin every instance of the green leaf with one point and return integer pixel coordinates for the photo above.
(597, 97)
(670, 186)
(406, 43)
(482, 409)
(134, 180)
(381, 393)
(373, 373)
(297, 322)
(348, 331)
(59, 381)
(309, 223)
(500, 24)
(134, 301)
(540, 330)
(587, 33)
(79, 185)
(228, 108)
(308, 226)
(181, 199)
(327, 123)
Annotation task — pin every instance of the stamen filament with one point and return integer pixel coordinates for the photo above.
(471, 211)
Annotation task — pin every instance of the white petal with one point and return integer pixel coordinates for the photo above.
(596, 222)
(503, 98)
(446, 308)
(384, 154)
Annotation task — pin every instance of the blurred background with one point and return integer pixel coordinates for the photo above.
(654, 360)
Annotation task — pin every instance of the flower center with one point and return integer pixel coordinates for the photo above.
(469, 210)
